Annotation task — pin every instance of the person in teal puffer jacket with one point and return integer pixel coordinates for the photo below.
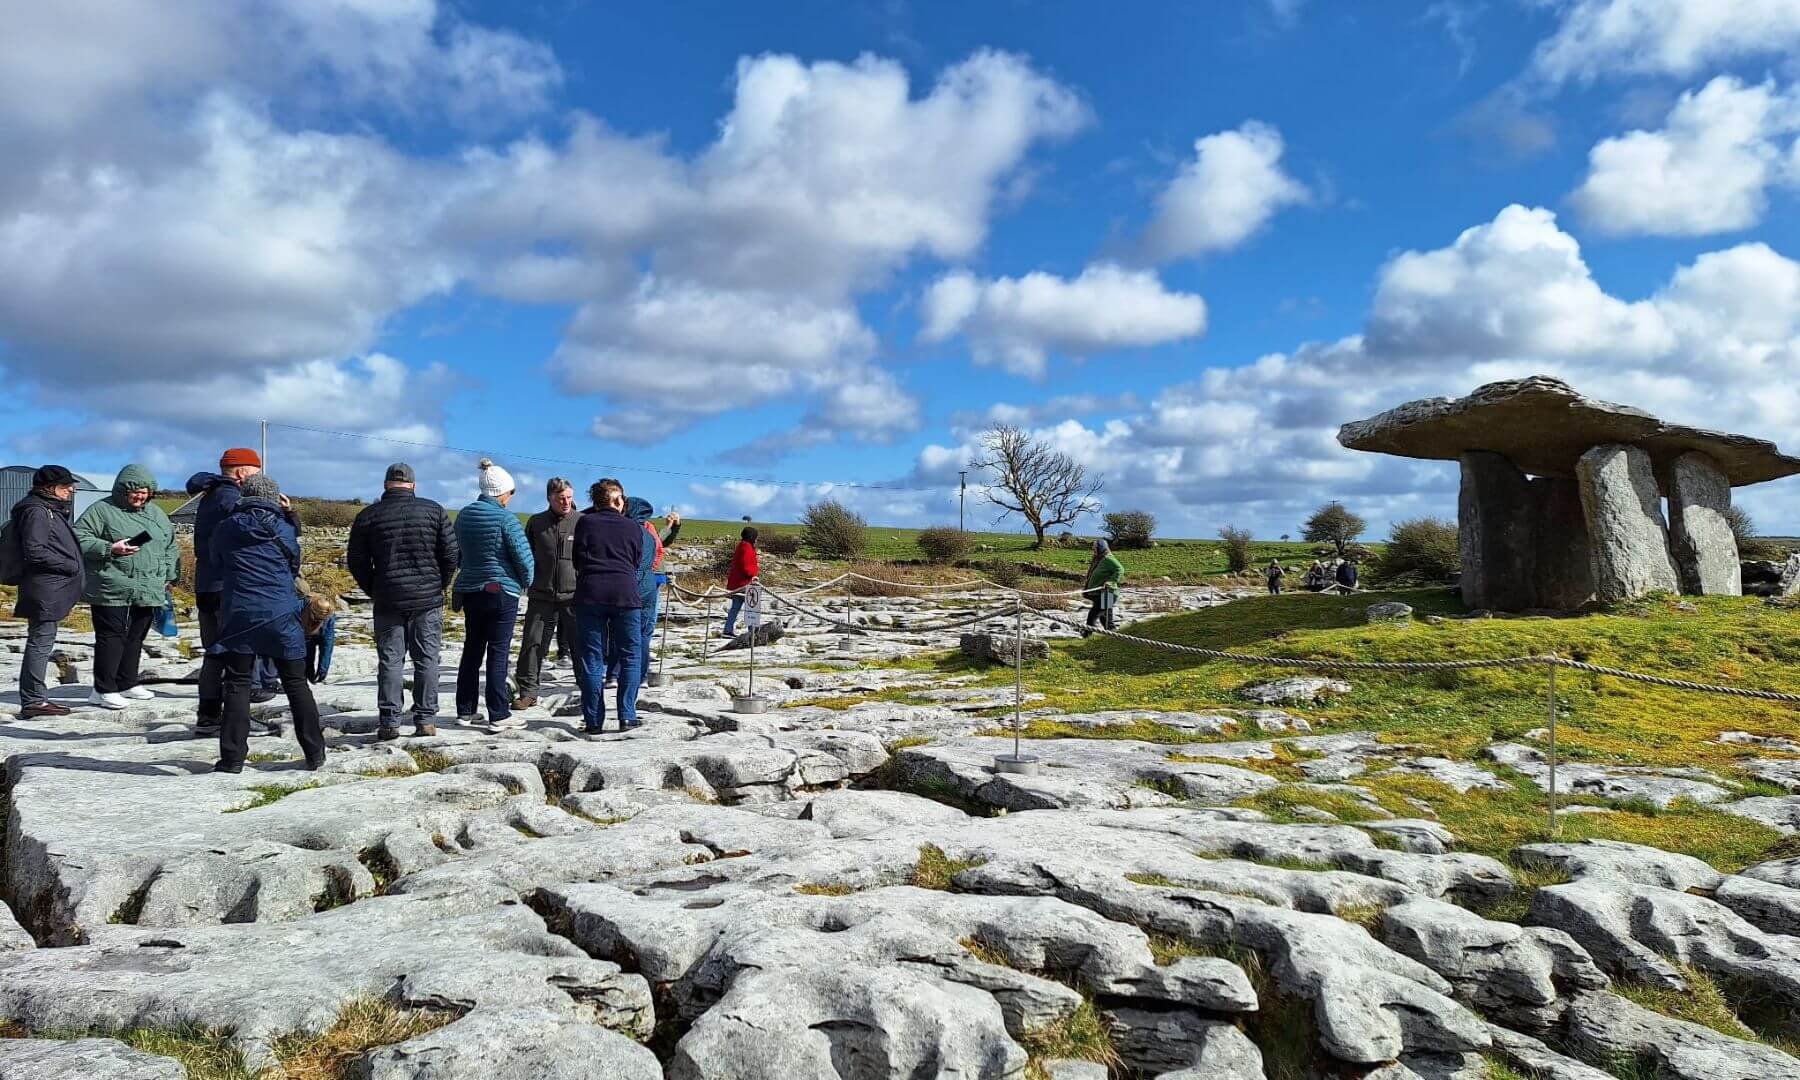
(127, 584)
(496, 568)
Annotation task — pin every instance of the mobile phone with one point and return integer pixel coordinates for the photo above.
(140, 539)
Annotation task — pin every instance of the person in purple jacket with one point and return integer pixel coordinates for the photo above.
(608, 548)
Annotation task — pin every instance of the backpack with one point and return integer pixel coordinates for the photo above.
(12, 555)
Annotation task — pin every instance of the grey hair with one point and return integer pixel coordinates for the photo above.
(260, 486)
(555, 485)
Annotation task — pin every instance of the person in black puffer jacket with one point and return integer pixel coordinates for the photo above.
(403, 553)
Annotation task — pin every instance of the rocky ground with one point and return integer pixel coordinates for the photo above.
(843, 886)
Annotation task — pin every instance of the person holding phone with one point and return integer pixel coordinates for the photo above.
(128, 552)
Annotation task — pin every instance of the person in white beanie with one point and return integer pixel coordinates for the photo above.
(496, 568)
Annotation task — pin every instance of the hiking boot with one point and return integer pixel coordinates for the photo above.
(422, 730)
(388, 732)
(226, 766)
(520, 704)
(259, 728)
(315, 764)
(262, 697)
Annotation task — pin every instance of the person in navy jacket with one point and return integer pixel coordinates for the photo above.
(255, 552)
(609, 550)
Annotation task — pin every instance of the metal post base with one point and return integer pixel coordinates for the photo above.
(1016, 764)
(658, 678)
(749, 704)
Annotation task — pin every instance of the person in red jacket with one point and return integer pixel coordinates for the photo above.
(743, 571)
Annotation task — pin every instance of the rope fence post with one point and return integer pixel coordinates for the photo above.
(748, 702)
(706, 628)
(659, 678)
(1551, 682)
(1016, 762)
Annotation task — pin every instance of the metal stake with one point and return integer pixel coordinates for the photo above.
(1018, 674)
(662, 651)
(1552, 684)
(706, 628)
(751, 692)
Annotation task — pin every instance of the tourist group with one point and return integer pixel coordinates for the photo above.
(590, 578)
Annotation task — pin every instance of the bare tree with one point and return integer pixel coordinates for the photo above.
(1046, 487)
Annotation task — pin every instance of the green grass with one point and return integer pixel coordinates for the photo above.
(815, 889)
(1080, 1036)
(265, 794)
(206, 1054)
(430, 760)
(936, 869)
(1706, 1003)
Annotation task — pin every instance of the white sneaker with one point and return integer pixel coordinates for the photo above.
(107, 701)
(138, 693)
(471, 720)
(515, 722)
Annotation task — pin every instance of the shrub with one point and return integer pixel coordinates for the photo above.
(1004, 573)
(326, 513)
(942, 544)
(834, 530)
(1128, 529)
(1750, 546)
(1237, 548)
(1420, 550)
(781, 544)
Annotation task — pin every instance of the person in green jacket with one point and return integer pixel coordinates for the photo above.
(127, 582)
(1105, 574)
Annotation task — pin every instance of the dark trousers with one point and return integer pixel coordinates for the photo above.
(1102, 613)
(544, 620)
(604, 626)
(212, 668)
(1274, 586)
(119, 634)
(488, 621)
(40, 643)
(234, 733)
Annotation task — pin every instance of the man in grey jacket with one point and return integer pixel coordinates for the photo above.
(550, 600)
(51, 579)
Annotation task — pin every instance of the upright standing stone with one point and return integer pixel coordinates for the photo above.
(1629, 542)
(1523, 540)
(1494, 533)
(1700, 538)
(1565, 559)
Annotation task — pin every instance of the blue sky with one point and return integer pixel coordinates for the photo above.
(747, 254)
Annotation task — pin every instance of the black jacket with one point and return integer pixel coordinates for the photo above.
(553, 554)
(54, 575)
(403, 552)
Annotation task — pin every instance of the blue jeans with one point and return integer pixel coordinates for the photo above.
(737, 605)
(604, 626)
(488, 620)
(646, 643)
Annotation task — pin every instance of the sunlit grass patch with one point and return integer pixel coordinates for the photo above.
(935, 869)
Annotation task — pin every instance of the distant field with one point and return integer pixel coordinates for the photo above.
(1179, 560)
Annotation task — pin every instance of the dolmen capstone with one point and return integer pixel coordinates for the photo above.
(1562, 495)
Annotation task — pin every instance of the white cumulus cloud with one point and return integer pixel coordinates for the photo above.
(1016, 323)
(1707, 171)
(1231, 188)
(1598, 38)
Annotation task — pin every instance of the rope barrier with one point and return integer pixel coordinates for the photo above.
(921, 628)
(1674, 684)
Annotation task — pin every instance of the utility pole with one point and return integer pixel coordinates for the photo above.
(265, 444)
(961, 494)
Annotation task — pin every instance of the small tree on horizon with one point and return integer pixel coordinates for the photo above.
(1333, 524)
(1043, 485)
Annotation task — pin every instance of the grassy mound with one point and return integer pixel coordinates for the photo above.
(1730, 641)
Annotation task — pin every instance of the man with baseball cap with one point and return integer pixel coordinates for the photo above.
(50, 581)
(403, 553)
(219, 494)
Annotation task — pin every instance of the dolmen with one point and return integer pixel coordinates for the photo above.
(1562, 495)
